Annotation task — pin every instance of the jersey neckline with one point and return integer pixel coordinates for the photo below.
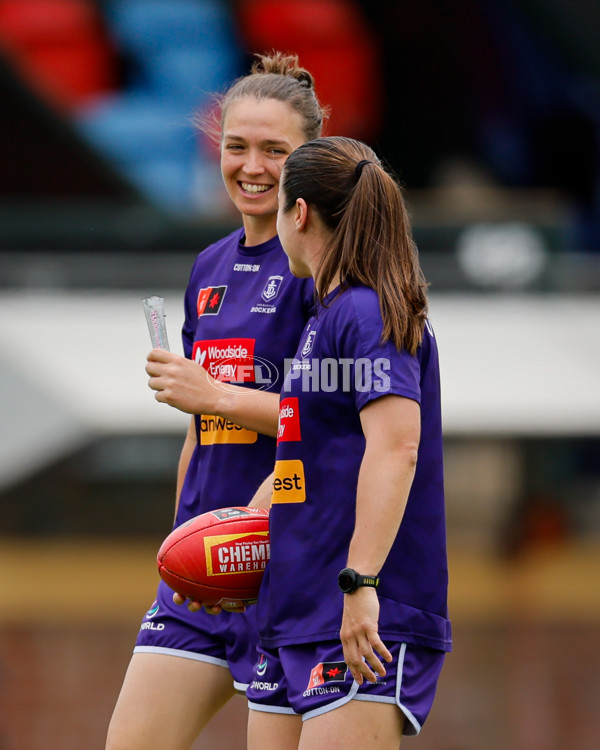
(256, 250)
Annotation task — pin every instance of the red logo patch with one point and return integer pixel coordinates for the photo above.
(227, 360)
(327, 671)
(210, 300)
(289, 420)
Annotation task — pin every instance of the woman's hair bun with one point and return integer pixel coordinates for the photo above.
(278, 63)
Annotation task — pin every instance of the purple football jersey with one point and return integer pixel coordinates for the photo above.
(340, 366)
(244, 314)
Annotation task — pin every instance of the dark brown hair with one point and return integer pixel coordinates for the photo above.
(371, 243)
(272, 76)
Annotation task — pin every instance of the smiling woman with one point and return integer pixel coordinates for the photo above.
(257, 139)
(243, 308)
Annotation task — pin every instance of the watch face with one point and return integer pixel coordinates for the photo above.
(346, 580)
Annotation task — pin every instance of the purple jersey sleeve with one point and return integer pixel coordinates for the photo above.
(377, 368)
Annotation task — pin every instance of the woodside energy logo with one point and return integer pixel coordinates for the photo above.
(289, 420)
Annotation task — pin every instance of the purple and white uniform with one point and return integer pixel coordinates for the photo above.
(244, 314)
(340, 366)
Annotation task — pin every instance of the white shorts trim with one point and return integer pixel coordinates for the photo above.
(409, 715)
(272, 709)
(375, 699)
(181, 654)
(412, 730)
(330, 706)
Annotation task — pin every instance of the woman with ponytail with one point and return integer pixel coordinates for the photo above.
(352, 612)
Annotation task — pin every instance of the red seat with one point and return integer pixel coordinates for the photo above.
(60, 47)
(334, 42)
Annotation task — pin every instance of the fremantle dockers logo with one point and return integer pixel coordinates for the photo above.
(308, 344)
(271, 289)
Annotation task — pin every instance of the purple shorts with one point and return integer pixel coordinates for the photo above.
(227, 640)
(312, 679)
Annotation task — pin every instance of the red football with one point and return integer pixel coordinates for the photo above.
(218, 557)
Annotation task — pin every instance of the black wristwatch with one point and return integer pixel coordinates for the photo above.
(349, 580)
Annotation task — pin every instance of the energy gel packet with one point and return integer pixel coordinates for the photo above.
(154, 307)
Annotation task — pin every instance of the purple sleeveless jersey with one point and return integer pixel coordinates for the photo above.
(340, 366)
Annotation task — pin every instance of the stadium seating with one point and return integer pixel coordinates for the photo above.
(175, 55)
(60, 47)
(332, 40)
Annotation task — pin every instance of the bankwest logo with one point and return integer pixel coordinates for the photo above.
(288, 482)
(227, 360)
(237, 553)
(210, 300)
(289, 420)
(220, 431)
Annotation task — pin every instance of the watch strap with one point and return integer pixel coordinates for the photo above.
(367, 581)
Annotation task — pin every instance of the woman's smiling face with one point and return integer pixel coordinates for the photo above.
(258, 136)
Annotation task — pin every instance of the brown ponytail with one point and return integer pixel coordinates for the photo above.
(371, 241)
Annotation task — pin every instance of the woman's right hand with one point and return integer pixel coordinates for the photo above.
(360, 637)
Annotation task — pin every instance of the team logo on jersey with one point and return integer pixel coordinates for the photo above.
(289, 420)
(308, 344)
(210, 300)
(227, 360)
(327, 671)
(288, 482)
(271, 289)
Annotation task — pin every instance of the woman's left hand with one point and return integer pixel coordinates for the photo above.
(360, 637)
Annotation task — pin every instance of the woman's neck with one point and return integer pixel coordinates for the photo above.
(259, 229)
(335, 282)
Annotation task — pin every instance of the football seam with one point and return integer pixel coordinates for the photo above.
(205, 528)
